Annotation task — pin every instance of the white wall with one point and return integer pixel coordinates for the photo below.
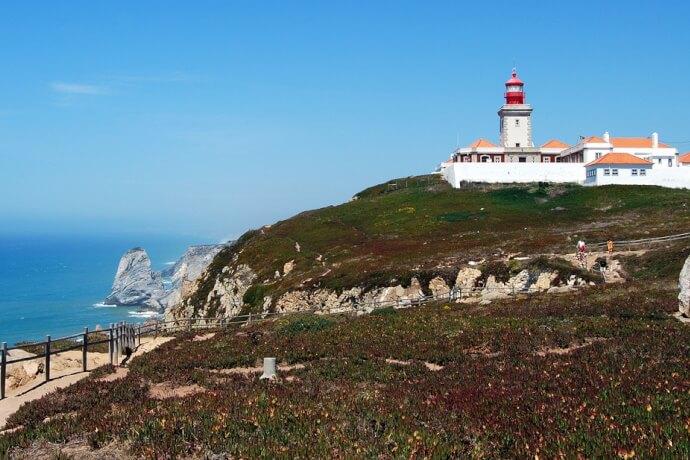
(514, 172)
(662, 176)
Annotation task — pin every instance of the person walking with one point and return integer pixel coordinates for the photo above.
(581, 254)
(609, 246)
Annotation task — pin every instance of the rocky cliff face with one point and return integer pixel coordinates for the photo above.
(186, 270)
(135, 282)
(232, 291)
(684, 295)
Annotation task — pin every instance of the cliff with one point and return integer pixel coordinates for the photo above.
(415, 236)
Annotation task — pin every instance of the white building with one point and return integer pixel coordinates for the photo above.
(618, 168)
(556, 161)
(684, 160)
(648, 148)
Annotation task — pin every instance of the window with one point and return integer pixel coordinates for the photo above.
(670, 162)
(598, 155)
(517, 145)
(614, 172)
(497, 159)
(485, 159)
(522, 159)
(659, 160)
(546, 160)
(517, 122)
(634, 172)
(607, 172)
(643, 172)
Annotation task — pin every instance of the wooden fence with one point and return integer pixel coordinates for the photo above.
(124, 335)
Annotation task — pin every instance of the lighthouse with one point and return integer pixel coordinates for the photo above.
(516, 124)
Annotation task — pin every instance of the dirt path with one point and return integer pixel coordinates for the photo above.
(65, 370)
(614, 272)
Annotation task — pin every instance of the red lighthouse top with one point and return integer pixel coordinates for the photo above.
(515, 93)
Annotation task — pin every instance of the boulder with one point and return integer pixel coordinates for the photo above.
(466, 280)
(136, 284)
(439, 288)
(684, 285)
(543, 282)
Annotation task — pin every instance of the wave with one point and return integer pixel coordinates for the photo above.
(172, 262)
(143, 314)
(102, 305)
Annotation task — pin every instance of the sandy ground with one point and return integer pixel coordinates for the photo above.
(65, 370)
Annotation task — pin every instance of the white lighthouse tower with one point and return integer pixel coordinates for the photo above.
(516, 124)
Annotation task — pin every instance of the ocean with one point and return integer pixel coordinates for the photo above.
(55, 285)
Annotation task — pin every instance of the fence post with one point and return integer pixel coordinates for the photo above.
(116, 341)
(84, 347)
(156, 334)
(47, 370)
(122, 338)
(3, 370)
(139, 334)
(111, 344)
(189, 324)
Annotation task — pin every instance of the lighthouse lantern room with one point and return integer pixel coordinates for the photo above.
(515, 115)
(515, 93)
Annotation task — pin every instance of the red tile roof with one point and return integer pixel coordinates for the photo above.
(685, 158)
(594, 139)
(481, 142)
(619, 158)
(555, 144)
(634, 142)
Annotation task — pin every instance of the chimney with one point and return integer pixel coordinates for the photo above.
(655, 140)
(606, 136)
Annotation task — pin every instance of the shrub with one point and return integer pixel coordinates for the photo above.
(306, 323)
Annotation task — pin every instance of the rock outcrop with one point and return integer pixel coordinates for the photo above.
(684, 284)
(136, 284)
(184, 273)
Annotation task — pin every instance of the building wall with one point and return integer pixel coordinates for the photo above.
(661, 176)
(624, 176)
(513, 172)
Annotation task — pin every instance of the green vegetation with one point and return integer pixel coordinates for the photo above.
(300, 323)
(599, 374)
(411, 227)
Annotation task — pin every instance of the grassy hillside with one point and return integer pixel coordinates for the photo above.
(601, 374)
(417, 225)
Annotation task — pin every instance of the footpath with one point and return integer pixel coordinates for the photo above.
(70, 373)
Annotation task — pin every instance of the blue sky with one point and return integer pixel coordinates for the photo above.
(211, 117)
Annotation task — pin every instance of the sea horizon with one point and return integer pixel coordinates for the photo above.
(55, 284)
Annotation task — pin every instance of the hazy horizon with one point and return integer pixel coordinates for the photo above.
(211, 118)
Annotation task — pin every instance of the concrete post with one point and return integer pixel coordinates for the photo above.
(269, 369)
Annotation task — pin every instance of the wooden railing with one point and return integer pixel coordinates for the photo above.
(124, 335)
(119, 337)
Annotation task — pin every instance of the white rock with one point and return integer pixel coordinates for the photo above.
(684, 285)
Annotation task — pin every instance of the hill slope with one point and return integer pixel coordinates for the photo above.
(600, 374)
(422, 227)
